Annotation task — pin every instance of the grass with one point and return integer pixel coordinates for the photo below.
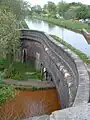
(83, 56)
(22, 71)
(19, 70)
(69, 24)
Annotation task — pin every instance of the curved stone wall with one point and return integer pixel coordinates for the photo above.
(68, 71)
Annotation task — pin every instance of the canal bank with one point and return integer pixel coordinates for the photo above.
(75, 39)
(73, 25)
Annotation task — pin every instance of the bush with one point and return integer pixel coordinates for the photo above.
(4, 63)
(5, 93)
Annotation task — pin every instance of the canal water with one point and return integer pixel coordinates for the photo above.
(75, 39)
(30, 103)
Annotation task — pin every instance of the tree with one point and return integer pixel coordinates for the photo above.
(82, 12)
(50, 9)
(70, 14)
(75, 4)
(45, 9)
(37, 9)
(62, 7)
(18, 7)
(9, 35)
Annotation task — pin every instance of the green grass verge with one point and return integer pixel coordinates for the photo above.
(18, 71)
(22, 71)
(83, 56)
(69, 24)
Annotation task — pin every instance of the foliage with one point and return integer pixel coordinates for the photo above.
(79, 53)
(11, 12)
(18, 70)
(18, 7)
(51, 9)
(71, 13)
(6, 92)
(82, 12)
(62, 7)
(21, 71)
(66, 10)
(9, 36)
(4, 63)
(37, 9)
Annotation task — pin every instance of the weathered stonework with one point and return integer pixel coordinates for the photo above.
(68, 71)
(81, 112)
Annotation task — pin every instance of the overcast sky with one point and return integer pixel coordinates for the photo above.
(42, 2)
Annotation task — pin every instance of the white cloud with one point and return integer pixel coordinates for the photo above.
(42, 2)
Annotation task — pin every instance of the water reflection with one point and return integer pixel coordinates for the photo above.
(51, 26)
(36, 21)
(75, 39)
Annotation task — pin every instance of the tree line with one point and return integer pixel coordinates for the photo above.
(62, 9)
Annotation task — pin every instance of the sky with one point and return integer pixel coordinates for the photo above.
(42, 2)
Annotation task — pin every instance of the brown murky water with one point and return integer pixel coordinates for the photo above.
(30, 103)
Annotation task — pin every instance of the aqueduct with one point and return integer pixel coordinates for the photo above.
(67, 69)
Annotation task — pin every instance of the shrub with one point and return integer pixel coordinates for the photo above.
(4, 63)
(5, 93)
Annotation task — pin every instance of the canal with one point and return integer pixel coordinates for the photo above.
(75, 39)
(29, 104)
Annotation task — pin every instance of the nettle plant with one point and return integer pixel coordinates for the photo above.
(6, 92)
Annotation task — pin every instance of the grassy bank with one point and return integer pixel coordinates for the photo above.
(18, 71)
(69, 24)
(79, 53)
(22, 71)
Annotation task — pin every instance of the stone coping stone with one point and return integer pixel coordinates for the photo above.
(42, 117)
(83, 89)
(81, 112)
(31, 83)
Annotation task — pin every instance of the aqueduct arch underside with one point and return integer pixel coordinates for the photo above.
(33, 52)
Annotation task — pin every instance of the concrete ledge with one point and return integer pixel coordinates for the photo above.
(42, 117)
(83, 89)
(81, 112)
(31, 83)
